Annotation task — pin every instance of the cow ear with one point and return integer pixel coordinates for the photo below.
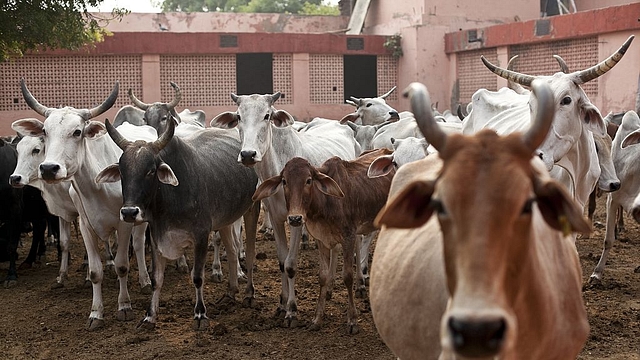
(109, 174)
(409, 209)
(28, 127)
(225, 120)
(631, 139)
(350, 117)
(327, 185)
(267, 188)
(593, 119)
(166, 175)
(94, 129)
(281, 118)
(381, 166)
(558, 208)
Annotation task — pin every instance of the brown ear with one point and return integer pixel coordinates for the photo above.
(225, 120)
(267, 188)
(381, 166)
(281, 118)
(327, 185)
(409, 209)
(109, 174)
(559, 210)
(350, 117)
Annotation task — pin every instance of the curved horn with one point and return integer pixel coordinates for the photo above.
(106, 105)
(166, 136)
(139, 104)
(115, 135)
(461, 114)
(177, 96)
(356, 100)
(604, 66)
(388, 93)
(510, 84)
(31, 100)
(421, 108)
(544, 115)
(275, 97)
(516, 77)
(562, 63)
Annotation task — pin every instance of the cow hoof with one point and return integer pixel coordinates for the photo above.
(280, 313)
(200, 324)
(290, 322)
(216, 278)
(249, 302)
(10, 283)
(353, 329)
(145, 325)
(595, 280)
(88, 284)
(314, 327)
(57, 285)
(95, 324)
(146, 290)
(125, 314)
(183, 269)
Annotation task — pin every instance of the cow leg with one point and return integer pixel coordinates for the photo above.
(324, 279)
(216, 266)
(125, 312)
(348, 249)
(267, 226)
(158, 265)
(95, 272)
(251, 226)
(181, 264)
(109, 262)
(362, 251)
(620, 226)
(38, 247)
(609, 237)
(200, 320)
(304, 244)
(12, 246)
(65, 237)
(290, 268)
(238, 245)
(138, 233)
(333, 267)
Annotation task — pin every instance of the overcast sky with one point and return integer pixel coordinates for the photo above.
(143, 6)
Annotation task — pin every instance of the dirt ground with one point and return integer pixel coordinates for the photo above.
(38, 322)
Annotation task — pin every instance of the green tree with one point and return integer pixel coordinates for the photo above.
(306, 7)
(30, 25)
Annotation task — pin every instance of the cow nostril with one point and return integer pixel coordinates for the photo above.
(129, 212)
(247, 154)
(14, 179)
(615, 186)
(295, 220)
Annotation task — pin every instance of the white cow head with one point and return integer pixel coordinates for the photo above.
(254, 119)
(571, 104)
(371, 111)
(64, 130)
(30, 155)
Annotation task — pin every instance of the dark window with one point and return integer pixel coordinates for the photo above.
(360, 76)
(254, 73)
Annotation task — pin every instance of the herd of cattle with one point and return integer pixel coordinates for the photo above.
(494, 274)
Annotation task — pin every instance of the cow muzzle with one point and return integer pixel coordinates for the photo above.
(17, 181)
(130, 214)
(248, 157)
(50, 172)
(295, 220)
(477, 338)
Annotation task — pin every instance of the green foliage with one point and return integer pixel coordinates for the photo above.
(49, 24)
(393, 44)
(305, 7)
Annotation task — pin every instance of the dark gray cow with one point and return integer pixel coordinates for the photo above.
(212, 193)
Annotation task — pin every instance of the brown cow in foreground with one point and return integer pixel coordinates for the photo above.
(493, 273)
(336, 201)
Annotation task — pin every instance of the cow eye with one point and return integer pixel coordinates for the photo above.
(369, 105)
(44, 132)
(237, 117)
(267, 117)
(437, 206)
(526, 209)
(284, 182)
(35, 151)
(308, 181)
(565, 100)
(77, 133)
(151, 172)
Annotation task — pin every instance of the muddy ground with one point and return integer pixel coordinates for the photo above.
(39, 322)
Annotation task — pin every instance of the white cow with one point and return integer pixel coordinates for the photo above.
(569, 153)
(626, 158)
(371, 111)
(76, 153)
(268, 142)
(473, 259)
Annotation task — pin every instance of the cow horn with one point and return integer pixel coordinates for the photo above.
(562, 63)
(421, 108)
(388, 93)
(177, 96)
(31, 100)
(166, 136)
(115, 135)
(516, 77)
(512, 85)
(356, 100)
(460, 111)
(139, 104)
(544, 115)
(604, 66)
(106, 105)
(275, 97)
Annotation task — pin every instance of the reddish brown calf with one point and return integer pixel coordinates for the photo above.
(336, 201)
